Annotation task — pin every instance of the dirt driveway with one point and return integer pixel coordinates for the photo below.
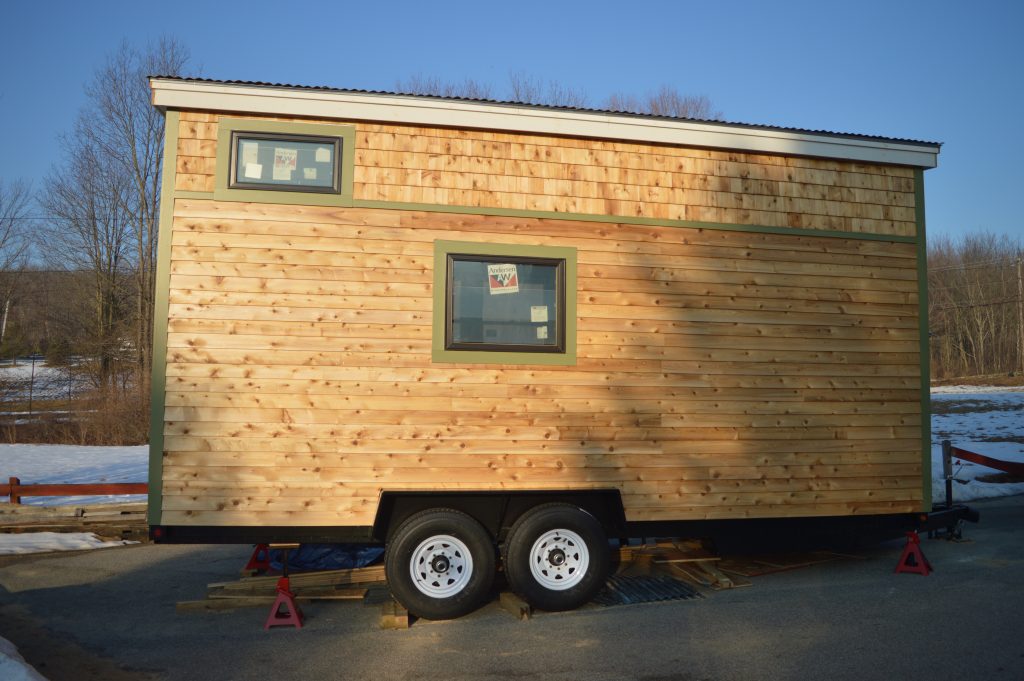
(110, 615)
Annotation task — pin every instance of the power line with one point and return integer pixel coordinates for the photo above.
(967, 307)
(1002, 262)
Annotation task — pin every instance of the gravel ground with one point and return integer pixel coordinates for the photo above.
(110, 615)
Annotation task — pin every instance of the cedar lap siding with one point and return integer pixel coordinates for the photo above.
(748, 333)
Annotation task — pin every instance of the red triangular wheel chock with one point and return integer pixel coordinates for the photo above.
(291, 615)
(259, 561)
(912, 559)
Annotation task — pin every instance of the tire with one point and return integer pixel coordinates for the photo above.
(556, 557)
(440, 564)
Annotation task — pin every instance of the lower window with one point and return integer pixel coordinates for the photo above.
(501, 303)
(504, 304)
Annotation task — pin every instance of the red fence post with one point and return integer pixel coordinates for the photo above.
(15, 497)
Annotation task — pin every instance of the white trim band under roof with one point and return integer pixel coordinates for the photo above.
(413, 110)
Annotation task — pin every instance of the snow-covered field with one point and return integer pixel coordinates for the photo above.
(74, 464)
(975, 389)
(988, 421)
(42, 382)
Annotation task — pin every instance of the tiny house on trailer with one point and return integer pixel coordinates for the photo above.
(482, 330)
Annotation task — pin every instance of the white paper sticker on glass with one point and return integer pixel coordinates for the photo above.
(253, 171)
(323, 154)
(502, 278)
(250, 152)
(539, 314)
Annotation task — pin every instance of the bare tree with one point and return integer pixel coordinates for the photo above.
(432, 85)
(122, 127)
(974, 306)
(88, 200)
(666, 101)
(530, 90)
(15, 198)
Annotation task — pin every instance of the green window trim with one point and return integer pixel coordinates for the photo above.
(442, 249)
(226, 130)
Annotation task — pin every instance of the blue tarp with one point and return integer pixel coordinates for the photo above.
(327, 557)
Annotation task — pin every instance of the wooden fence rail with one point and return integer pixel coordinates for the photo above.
(15, 490)
(1011, 467)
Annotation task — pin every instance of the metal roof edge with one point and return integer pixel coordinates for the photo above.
(323, 102)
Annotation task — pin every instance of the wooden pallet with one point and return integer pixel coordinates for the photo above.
(755, 566)
(688, 561)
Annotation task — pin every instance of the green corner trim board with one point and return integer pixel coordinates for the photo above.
(158, 384)
(922, 317)
(438, 352)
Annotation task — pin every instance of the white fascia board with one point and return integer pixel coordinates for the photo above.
(284, 101)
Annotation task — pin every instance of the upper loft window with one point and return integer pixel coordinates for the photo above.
(300, 163)
(285, 162)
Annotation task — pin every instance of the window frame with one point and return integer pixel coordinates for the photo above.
(227, 129)
(449, 304)
(336, 143)
(563, 352)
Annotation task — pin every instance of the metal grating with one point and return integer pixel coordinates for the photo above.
(623, 590)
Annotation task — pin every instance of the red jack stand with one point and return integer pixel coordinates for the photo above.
(292, 615)
(259, 561)
(912, 559)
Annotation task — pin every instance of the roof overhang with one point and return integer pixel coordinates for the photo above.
(413, 110)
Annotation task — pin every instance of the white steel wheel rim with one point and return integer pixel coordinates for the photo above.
(559, 559)
(441, 566)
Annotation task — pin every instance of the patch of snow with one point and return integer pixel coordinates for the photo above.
(75, 464)
(13, 666)
(36, 542)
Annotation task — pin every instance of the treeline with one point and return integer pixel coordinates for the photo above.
(78, 263)
(975, 307)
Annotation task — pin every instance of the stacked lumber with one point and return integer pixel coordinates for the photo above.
(106, 520)
(308, 586)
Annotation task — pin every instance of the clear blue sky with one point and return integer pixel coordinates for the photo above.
(951, 72)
